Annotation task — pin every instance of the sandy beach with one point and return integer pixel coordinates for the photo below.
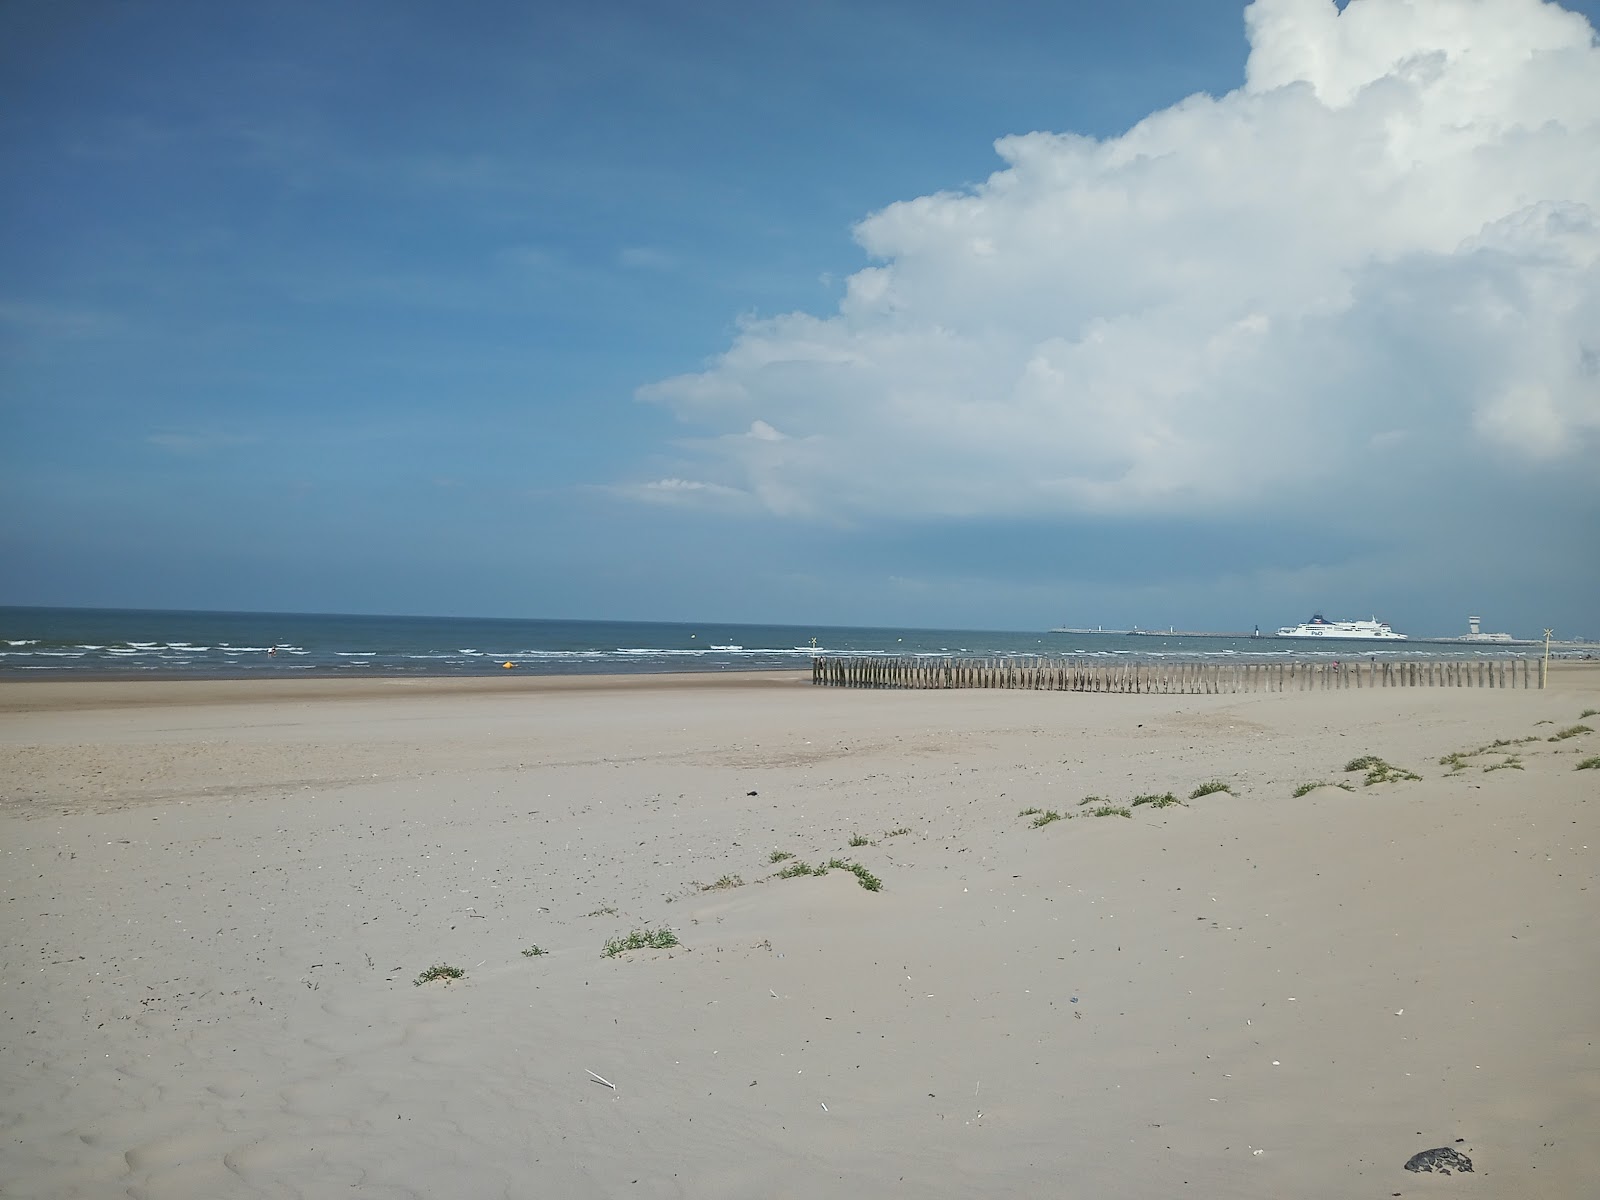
(218, 896)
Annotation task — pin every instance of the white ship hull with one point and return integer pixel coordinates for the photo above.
(1319, 629)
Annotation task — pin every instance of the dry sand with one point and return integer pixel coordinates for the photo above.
(217, 896)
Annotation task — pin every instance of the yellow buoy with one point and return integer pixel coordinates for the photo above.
(508, 665)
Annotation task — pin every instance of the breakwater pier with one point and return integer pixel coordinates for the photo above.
(1176, 678)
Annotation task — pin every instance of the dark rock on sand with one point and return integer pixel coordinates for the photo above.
(1443, 1160)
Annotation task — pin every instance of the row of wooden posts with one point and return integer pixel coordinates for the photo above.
(1176, 678)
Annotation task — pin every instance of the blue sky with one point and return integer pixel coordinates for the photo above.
(734, 312)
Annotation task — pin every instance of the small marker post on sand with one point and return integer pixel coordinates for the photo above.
(1544, 668)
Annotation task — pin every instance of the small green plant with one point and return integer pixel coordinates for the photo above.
(1045, 818)
(1211, 787)
(1571, 731)
(795, 869)
(1111, 810)
(1305, 789)
(1536, 724)
(605, 910)
(439, 972)
(897, 832)
(1379, 771)
(1166, 799)
(859, 840)
(534, 952)
(1030, 812)
(863, 876)
(1589, 764)
(1512, 763)
(1522, 741)
(1589, 712)
(727, 881)
(778, 856)
(1091, 800)
(640, 939)
(1458, 760)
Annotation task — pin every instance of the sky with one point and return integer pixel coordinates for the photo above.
(921, 314)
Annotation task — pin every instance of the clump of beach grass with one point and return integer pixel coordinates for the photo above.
(1030, 812)
(863, 876)
(859, 839)
(1589, 712)
(1379, 771)
(534, 952)
(1045, 818)
(1164, 800)
(727, 881)
(1589, 763)
(1457, 761)
(605, 910)
(778, 856)
(1305, 789)
(1210, 788)
(1091, 800)
(798, 868)
(897, 832)
(438, 972)
(640, 939)
(1571, 731)
(1513, 762)
(1111, 810)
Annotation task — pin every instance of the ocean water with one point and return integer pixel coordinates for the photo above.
(66, 642)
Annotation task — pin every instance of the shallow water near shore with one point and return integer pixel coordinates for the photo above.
(67, 642)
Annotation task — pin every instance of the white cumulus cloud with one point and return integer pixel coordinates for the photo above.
(1386, 242)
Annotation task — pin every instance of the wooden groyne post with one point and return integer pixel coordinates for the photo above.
(1176, 678)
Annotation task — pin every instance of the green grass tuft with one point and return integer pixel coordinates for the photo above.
(1571, 731)
(640, 939)
(898, 832)
(1512, 763)
(1045, 818)
(795, 869)
(1091, 800)
(1458, 760)
(1305, 789)
(534, 952)
(1379, 771)
(1589, 763)
(859, 840)
(778, 856)
(439, 972)
(1111, 810)
(863, 876)
(1210, 788)
(727, 881)
(1030, 812)
(1589, 712)
(1161, 801)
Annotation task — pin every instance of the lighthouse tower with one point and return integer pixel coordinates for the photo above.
(1472, 625)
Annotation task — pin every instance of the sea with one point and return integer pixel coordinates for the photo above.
(62, 643)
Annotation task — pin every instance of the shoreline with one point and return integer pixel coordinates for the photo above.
(86, 692)
(53, 695)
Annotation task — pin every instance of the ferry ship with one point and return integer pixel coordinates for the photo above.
(1342, 631)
